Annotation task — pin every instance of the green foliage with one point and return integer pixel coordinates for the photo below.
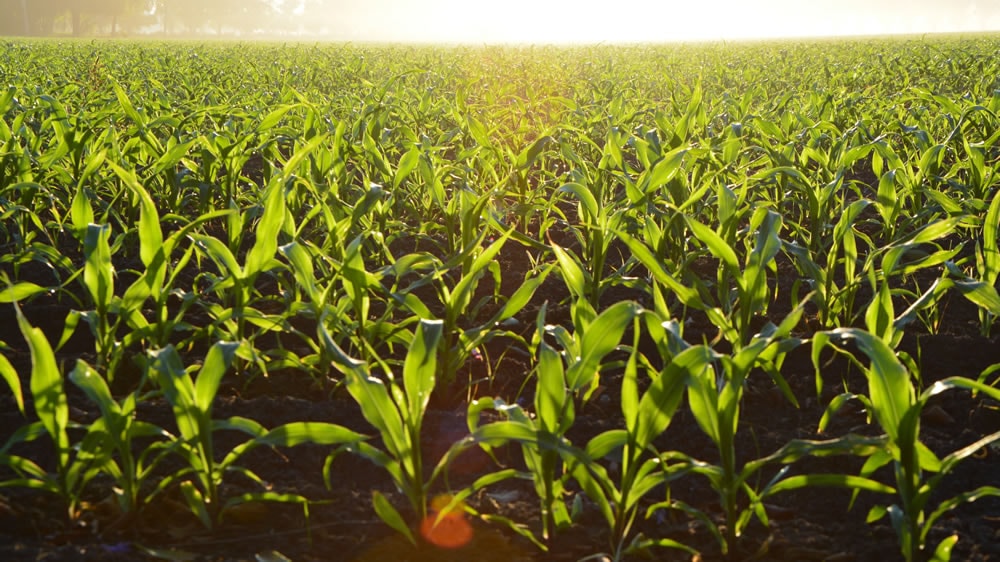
(396, 408)
(401, 222)
(896, 406)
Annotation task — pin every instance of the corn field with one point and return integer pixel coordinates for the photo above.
(348, 302)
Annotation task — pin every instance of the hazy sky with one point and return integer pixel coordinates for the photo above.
(562, 21)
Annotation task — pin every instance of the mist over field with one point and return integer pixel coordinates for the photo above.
(511, 21)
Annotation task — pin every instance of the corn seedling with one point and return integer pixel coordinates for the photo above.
(191, 402)
(561, 379)
(640, 469)
(896, 406)
(396, 408)
(76, 463)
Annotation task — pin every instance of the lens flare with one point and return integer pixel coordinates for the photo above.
(448, 530)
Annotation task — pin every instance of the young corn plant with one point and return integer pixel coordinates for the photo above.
(112, 312)
(561, 379)
(339, 296)
(192, 402)
(832, 275)
(981, 289)
(458, 341)
(159, 280)
(714, 386)
(735, 310)
(76, 463)
(396, 408)
(895, 404)
(236, 281)
(120, 430)
(715, 398)
(526, 198)
(595, 233)
(640, 469)
(98, 279)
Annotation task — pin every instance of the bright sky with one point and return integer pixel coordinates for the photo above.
(593, 21)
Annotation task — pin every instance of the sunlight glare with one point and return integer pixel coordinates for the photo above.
(597, 21)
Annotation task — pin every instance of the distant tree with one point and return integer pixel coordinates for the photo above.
(189, 14)
(113, 9)
(16, 19)
(24, 17)
(42, 15)
(218, 15)
(242, 15)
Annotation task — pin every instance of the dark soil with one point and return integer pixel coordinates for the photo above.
(815, 524)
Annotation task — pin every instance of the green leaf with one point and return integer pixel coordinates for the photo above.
(317, 433)
(953, 502)
(47, 387)
(95, 387)
(150, 233)
(478, 132)
(630, 387)
(886, 199)
(658, 404)
(217, 362)
(550, 393)
(98, 273)
(172, 156)
(302, 264)
(81, 212)
(943, 551)
(126, 105)
(876, 513)
(703, 397)
(275, 116)
(715, 244)
(991, 253)
(655, 265)
(178, 389)
(572, 273)
(889, 385)
(830, 480)
(587, 200)
(463, 290)
(220, 254)
(981, 294)
(934, 230)
(379, 410)
(606, 443)
(13, 381)
(879, 315)
(522, 296)
(291, 166)
(266, 242)
(600, 338)
(528, 156)
(665, 169)
(196, 503)
(407, 163)
(20, 291)
(391, 517)
(642, 543)
(420, 367)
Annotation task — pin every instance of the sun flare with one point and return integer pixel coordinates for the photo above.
(596, 21)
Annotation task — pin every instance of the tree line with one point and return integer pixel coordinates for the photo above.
(131, 17)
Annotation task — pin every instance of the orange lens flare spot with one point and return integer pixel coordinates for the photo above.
(439, 503)
(448, 531)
